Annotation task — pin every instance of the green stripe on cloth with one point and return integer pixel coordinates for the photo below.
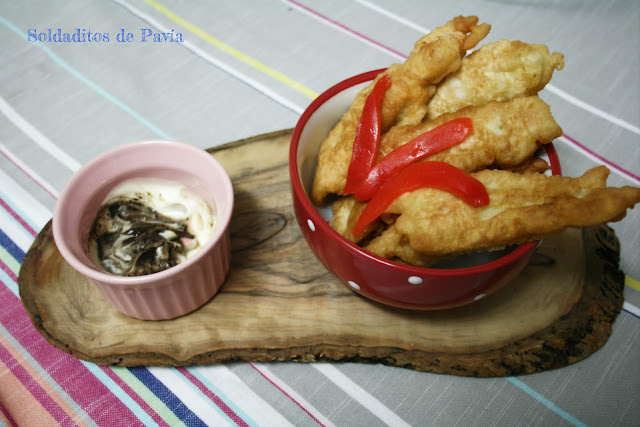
(152, 400)
(10, 261)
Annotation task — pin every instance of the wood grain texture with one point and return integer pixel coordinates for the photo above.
(279, 303)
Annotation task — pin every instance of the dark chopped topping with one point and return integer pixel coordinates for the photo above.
(132, 239)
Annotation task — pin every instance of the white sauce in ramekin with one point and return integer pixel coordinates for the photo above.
(167, 198)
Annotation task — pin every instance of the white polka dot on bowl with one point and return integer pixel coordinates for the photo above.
(415, 280)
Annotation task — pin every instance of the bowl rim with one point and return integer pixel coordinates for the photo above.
(153, 278)
(319, 222)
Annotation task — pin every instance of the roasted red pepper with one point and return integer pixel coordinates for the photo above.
(440, 138)
(365, 145)
(420, 175)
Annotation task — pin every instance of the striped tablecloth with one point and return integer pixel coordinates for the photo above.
(245, 68)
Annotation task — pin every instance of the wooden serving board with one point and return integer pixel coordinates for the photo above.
(279, 303)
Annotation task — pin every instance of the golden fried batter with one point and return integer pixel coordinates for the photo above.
(505, 134)
(531, 165)
(522, 208)
(433, 57)
(346, 211)
(497, 71)
(393, 245)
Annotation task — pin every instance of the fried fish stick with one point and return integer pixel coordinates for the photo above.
(497, 71)
(346, 211)
(522, 208)
(393, 245)
(531, 165)
(505, 134)
(433, 57)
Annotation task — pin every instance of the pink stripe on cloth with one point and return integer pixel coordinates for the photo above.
(74, 378)
(42, 378)
(345, 28)
(215, 399)
(4, 267)
(125, 387)
(32, 176)
(17, 217)
(602, 159)
(285, 393)
(33, 387)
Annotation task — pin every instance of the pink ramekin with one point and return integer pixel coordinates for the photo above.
(169, 293)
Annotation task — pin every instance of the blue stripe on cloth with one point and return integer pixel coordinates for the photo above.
(167, 397)
(87, 81)
(12, 248)
(546, 402)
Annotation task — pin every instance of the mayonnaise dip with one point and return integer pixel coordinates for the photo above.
(148, 225)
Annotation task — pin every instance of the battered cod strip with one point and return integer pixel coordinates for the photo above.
(346, 212)
(393, 245)
(505, 134)
(532, 165)
(433, 57)
(497, 71)
(433, 223)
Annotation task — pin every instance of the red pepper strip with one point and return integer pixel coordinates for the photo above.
(419, 175)
(440, 138)
(365, 145)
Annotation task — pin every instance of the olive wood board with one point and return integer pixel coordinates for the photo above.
(279, 303)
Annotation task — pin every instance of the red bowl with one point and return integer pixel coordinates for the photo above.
(380, 279)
